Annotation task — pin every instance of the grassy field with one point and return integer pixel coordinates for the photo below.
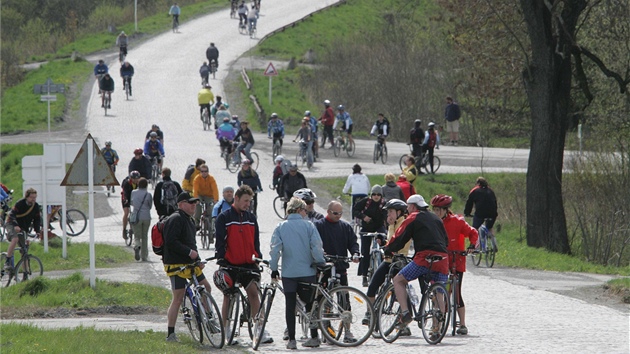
(11, 164)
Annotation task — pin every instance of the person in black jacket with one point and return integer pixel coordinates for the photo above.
(249, 177)
(370, 212)
(25, 212)
(212, 53)
(180, 248)
(106, 85)
(162, 207)
(140, 163)
(485, 203)
(127, 70)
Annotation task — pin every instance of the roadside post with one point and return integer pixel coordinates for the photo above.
(45, 90)
(270, 72)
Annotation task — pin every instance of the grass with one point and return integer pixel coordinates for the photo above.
(11, 163)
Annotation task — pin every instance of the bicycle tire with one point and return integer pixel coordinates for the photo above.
(203, 233)
(29, 267)
(211, 320)
(278, 207)
(375, 155)
(194, 321)
(259, 324)
(233, 318)
(384, 155)
(483, 235)
(401, 162)
(246, 316)
(255, 160)
(436, 165)
(337, 147)
(388, 313)
(276, 149)
(490, 253)
(205, 119)
(76, 222)
(351, 148)
(129, 239)
(348, 309)
(429, 314)
(5, 276)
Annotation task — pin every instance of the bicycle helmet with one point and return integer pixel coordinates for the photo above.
(226, 119)
(418, 121)
(341, 107)
(274, 115)
(134, 174)
(279, 158)
(153, 134)
(305, 194)
(222, 280)
(108, 143)
(431, 124)
(395, 204)
(307, 113)
(442, 201)
(138, 151)
(327, 102)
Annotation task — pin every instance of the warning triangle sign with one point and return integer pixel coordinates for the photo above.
(271, 70)
(77, 174)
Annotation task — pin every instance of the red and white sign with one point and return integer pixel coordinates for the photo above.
(271, 70)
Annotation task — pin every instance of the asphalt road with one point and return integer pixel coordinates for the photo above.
(507, 310)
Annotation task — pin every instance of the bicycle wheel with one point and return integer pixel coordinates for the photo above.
(232, 320)
(203, 233)
(483, 234)
(211, 320)
(337, 147)
(76, 222)
(254, 160)
(434, 313)
(375, 154)
(436, 163)
(384, 155)
(350, 148)
(401, 162)
(343, 314)
(129, 240)
(261, 318)
(277, 149)
(278, 207)
(5, 275)
(231, 165)
(206, 120)
(192, 319)
(388, 313)
(29, 267)
(490, 253)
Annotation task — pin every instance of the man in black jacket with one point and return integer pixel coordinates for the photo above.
(24, 213)
(180, 248)
(370, 212)
(140, 163)
(212, 53)
(161, 195)
(485, 203)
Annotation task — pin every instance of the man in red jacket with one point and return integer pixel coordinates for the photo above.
(328, 119)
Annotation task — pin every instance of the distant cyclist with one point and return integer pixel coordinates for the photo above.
(106, 86)
(246, 144)
(160, 134)
(140, 163)
(212, 53)
(121, 42)
(242, 14)
(275, 128)
(431, 142)
(483, 199)
(175, 11)
(343, 117)
(225, 134)
(100, 70)
(111, 157)
(215, 107)
(252, 18)
(205, 98)
(204, 72)
(313, 123)
(127, 70)
(153, 149)
(381, 128)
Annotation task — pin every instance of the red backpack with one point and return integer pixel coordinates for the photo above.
(157, 237)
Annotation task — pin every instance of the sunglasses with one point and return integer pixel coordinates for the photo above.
(336, 213)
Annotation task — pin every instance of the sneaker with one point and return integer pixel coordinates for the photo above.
(285, 335)
(405, 332)
(266, 339)
(292, 344)
(463, 330)
(366, 319)
(365, 282)
(172, 338)
(405, 318)
(124, 234)
(312, 343)
(137, 250)
(349, 337)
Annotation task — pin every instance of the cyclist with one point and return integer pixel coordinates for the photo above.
(175, 11)
(121, 41)
(225, 203)
(313, 123)
(416, 137)
(275, 129)
(237, 239)
(205, 98)
(111, 157)
(215, 107)
(358, 183)
(396, 214)
(381, 128)
(140, 163)
(298, 243)
(205, 188)
(278, 172)
(372, 215)
(25, 212)
(457, 230)
(485, 202)
(246, 144)
(127, 70)
(221, 114)
(225, 134)
(191, 172)
(431, 141)
(305, 134)
(429, 238)
(160, 134)
(153, 149)
(242, 14)
(128, 184)
(308, 197)
(100, 70)
(249, 177)
(346, 124)
(291, 182)
(252, 18)
(235, 122)
(212, 53)
(327, 119)
(106, 86)
(204, 71)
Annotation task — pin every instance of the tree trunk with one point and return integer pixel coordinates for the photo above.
(548, 85)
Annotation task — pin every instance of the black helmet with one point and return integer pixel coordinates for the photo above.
(395, 204)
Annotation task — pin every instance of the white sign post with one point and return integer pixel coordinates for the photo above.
(270, 72)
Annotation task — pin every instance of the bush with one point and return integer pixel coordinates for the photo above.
(35, 287)
(104, 16)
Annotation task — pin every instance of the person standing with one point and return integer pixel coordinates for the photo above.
(308, 197)
(249, 177)
(410, 170)
(327, 119)
(212, 53)
(141, 202)
(431, 142)
(372, 215)
(359, 184)
(458, 231)
(128, 184)
(25, 212)
(165, 194)
(313, 123)
(297, 241)
(180, 248)
(206, 190)
(111, 157)
(126, 70)
(391, 190)
(191, 173)
(452, 115)
(485, 202)
(416, 138)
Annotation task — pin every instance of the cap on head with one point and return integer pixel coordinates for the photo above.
(417, 200)
(307, 113)
(377, 189)
(431, 125)
(228, 188)
(417, 122)
(274, 115)
(186, 197)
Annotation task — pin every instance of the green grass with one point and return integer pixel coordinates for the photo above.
(11, 163)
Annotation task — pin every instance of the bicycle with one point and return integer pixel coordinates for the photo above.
(486, 237)
(345, 144)
(127, 86)
(29, 266)
(376, 255)
(122, 54)
(380, 150)
(4, 210)
(242, 28)
(301, 158)
(268, 292)
(236, 299)
(233, 9)
(213, 68)
(206, 223)
(107, 100)
(252, 30)
(76, 221)
(111, 189)
(278, 207)
(276, 148)
(156, 172)
(452, 285)
(200, 312)
(233, 166)
(129, 240)
(205, 118)
(386, 319)
(432, 314)
(175, 24)
(422, 162)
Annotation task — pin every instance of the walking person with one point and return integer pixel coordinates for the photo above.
(431, 142)
(297, 241)
(452, 114)
(141, 203)
(165, 194)
(372, 215)
(327, 119)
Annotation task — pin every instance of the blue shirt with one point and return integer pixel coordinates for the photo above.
(297, 241)
(100, 69)
(153, 147)
(223, 205)
(276, 127)
(345, 118)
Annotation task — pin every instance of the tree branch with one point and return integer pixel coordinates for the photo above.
(623, 83)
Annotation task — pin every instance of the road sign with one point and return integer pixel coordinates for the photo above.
(51, 98)
(271, 70)
(78, 172)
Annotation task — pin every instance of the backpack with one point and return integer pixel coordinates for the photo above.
(432, 139)
(189, 171)
(157, 237)
(169, 195)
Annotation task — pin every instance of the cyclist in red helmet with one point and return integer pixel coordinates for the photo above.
(140, 163)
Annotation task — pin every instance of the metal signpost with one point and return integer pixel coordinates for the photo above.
(270, 72)
(45, 90)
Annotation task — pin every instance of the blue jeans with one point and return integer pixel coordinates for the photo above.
(309, 153)
(243, 147)
(252, 22)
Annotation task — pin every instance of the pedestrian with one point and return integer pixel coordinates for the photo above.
(141, 203)
(248, 176)
(452, 114)
(327, 119)
(165, 194)
(128, 184)
(358, 184)
(180, 248)
(297, 241)
(308, 197)
(372, 215)
(416, 137)
(206, 190)
(407, 188)
(431, 142)
(25, 213)
(390, 189)
(484, 200)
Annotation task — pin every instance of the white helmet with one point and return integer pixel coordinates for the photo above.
(279, 158)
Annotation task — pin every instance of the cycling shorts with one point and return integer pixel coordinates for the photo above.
(349, 130)
(178, 282)
(243, 277)
(413, 271)
(155, 154)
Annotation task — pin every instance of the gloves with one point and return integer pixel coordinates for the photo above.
(471, 247)
(222, 262)
(275, 274)
(387, 252)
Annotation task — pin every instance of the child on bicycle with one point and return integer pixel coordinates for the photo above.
(457, 230)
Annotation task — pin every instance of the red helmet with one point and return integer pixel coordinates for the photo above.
(442, 201)
(138, 151)
(223, 280)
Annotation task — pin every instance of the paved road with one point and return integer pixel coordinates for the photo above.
(505, 313)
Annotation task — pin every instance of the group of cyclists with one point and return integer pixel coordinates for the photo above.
(247, 16)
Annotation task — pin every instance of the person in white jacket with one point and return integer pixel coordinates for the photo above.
(359, 184)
